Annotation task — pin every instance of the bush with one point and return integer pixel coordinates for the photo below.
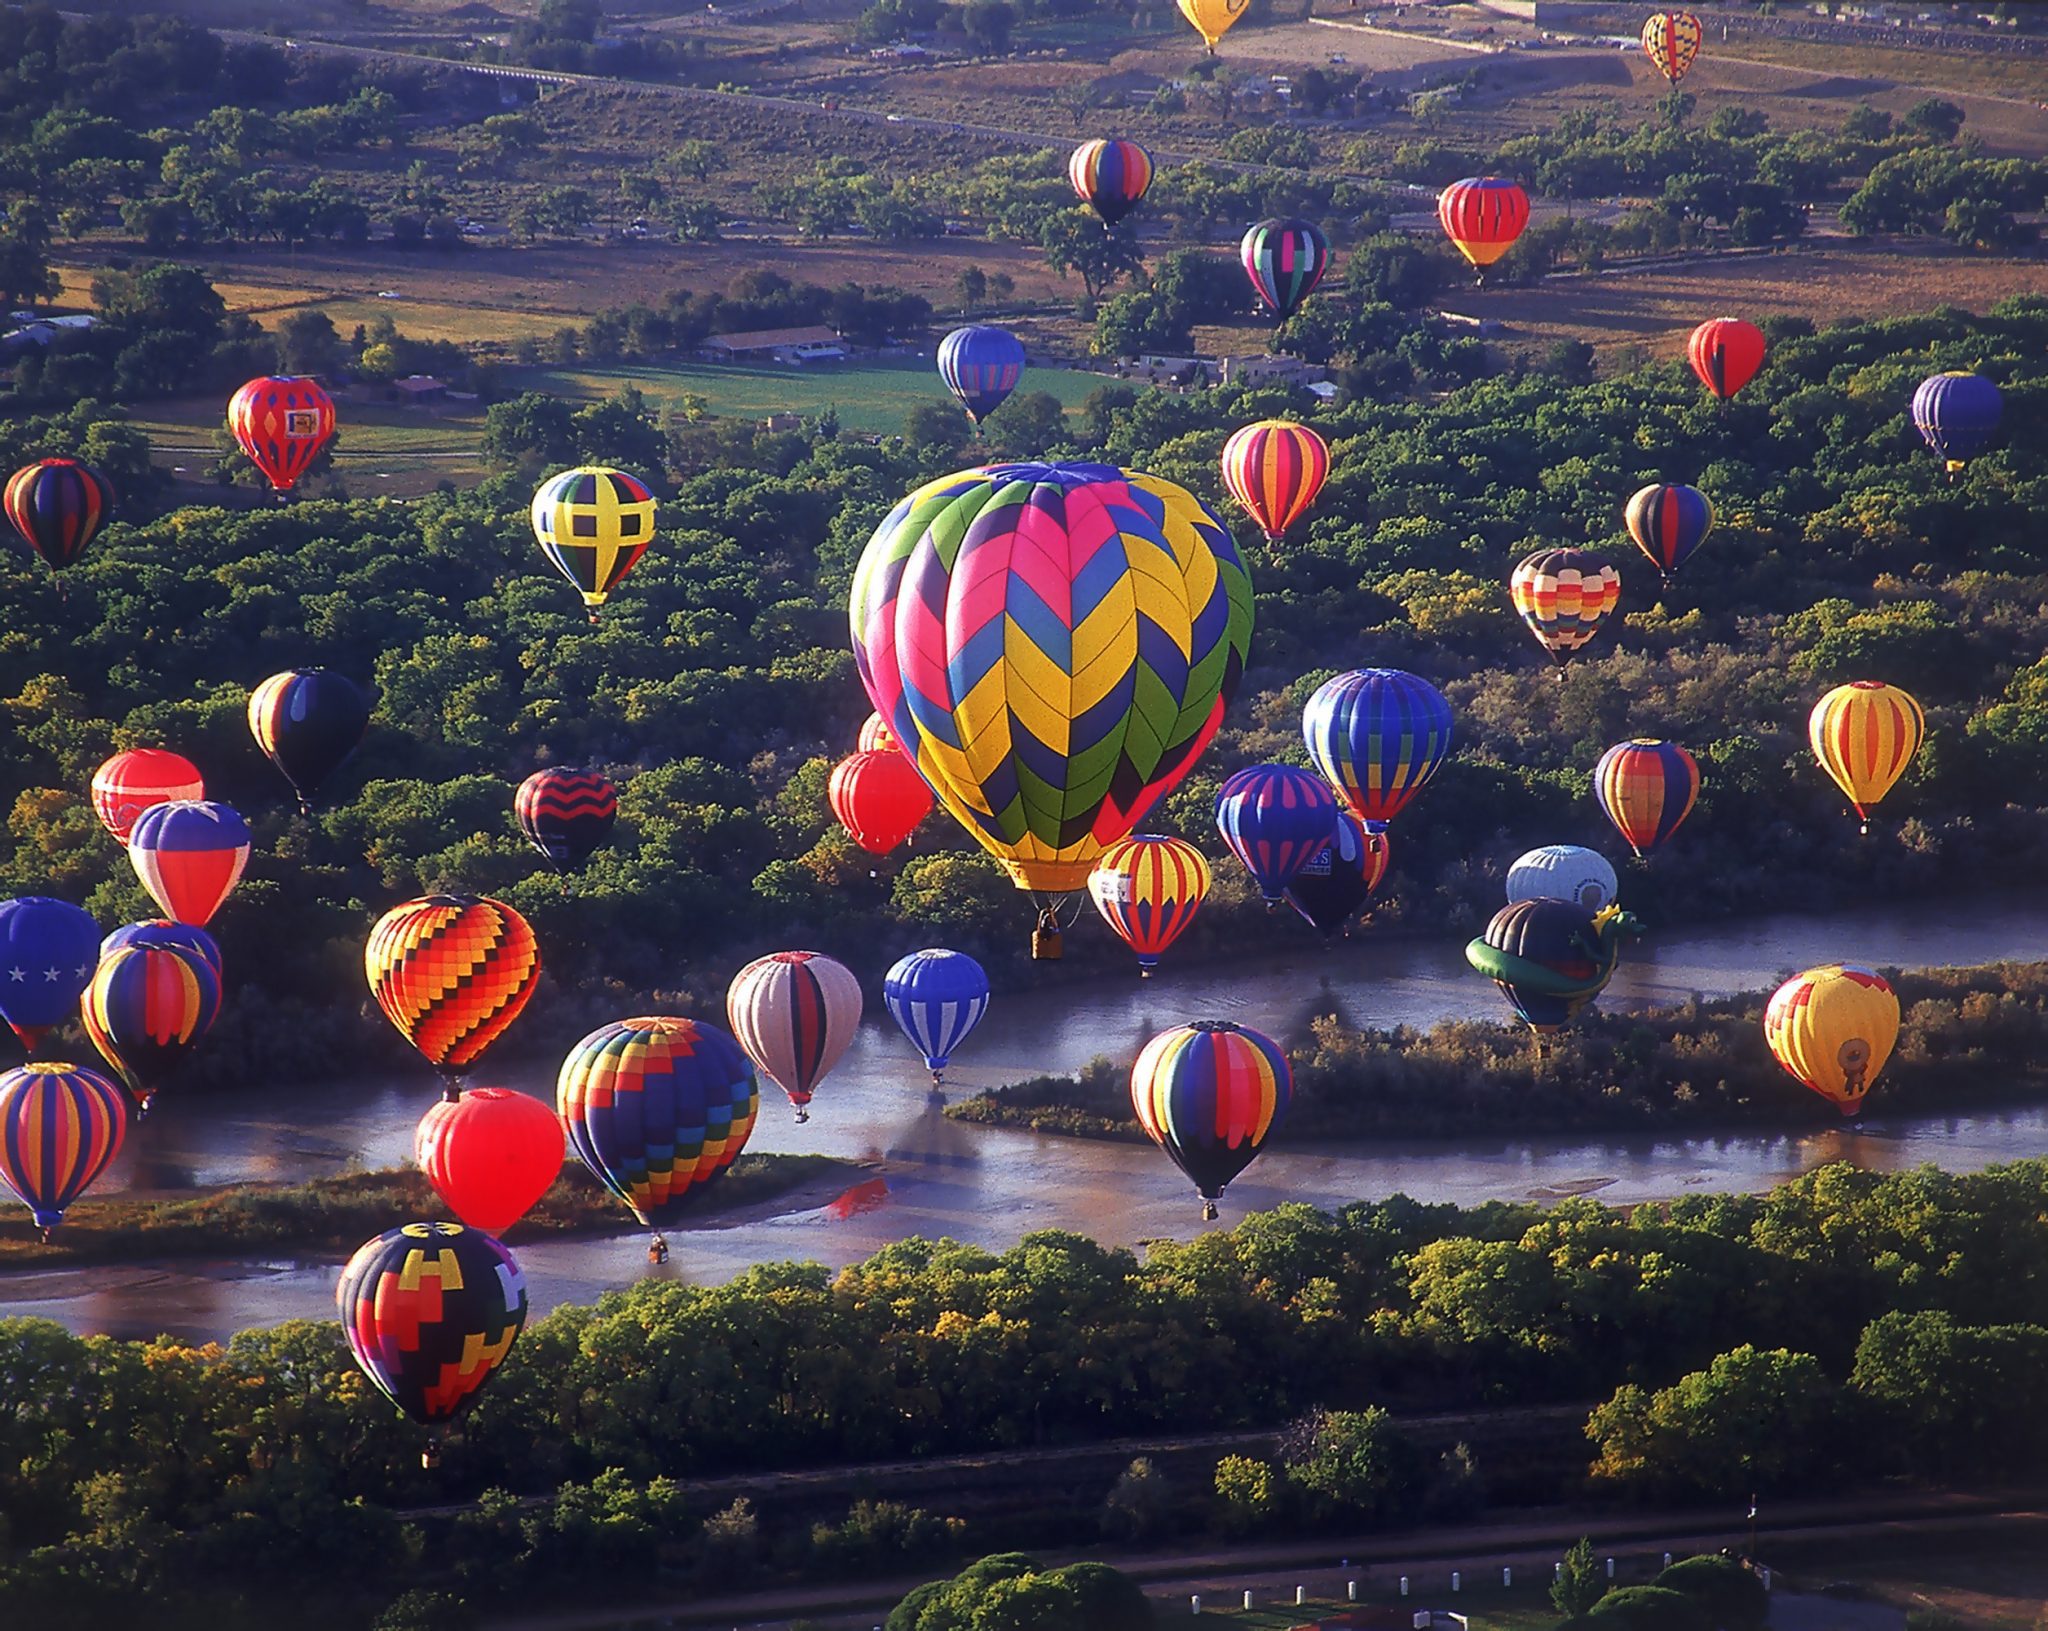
(1727, 1592)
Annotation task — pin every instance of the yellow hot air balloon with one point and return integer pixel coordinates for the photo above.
(1864, 734)
(1833, 1028)
(1213, 18)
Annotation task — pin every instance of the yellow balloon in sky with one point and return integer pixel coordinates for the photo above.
(1833, 1028)
(1213, 18)
(1865, 734)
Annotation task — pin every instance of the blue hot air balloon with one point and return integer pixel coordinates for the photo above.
(981, 366)
(1956, 414)
(1377, 735)
(48, 950)
(1276, 819)
(938, 997)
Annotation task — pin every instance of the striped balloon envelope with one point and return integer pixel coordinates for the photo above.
(875, 735)
(308, 721)
(60, 1124)
(1647, 788)
(451, 972)
(1378, 735)
(163, 931)
(1726, 353)
(1341, 878)
(1482, 216)
(281, 423)
(565, 813)
(1671, 40)
(795, 1013)
(981, 365)
(1148, 889)
(58, 506)
(1210, 1095)
(1564, 595)
(1275, 469)
(1865, 734)
(1833, 1028)
(130, 782)
(1110, 177)
(1285, 260)
(189, 854)
(146, 1008)
(937, 997)
(656, 1106)
(1668, 523)
(1276, 819)
(1956, 414)
(593, 524)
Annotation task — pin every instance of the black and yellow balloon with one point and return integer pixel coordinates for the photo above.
(593, 524)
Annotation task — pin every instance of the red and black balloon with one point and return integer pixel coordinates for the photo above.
(566, 814)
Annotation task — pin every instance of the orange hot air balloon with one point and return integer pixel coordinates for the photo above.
(1671, 40)
(451, 972)
(1647, 788)
(1275, 469)
(282, 424)
(879, 799)
(1482, 216)
(490, 1154)
(1148, 889)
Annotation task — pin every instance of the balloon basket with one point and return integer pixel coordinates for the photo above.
(430, 1454)
(802, 1115)
(657, 1252)
(1208, 1211)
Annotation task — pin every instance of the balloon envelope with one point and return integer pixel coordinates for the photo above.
(189, 854)
(60, 1124)
(1482, 216)
(490, 1154)
(1726, 353)
(1341, 877)
(451, 972)
(566, 814)
(981, 365)
(1671, 40)
(1275, 469)
(308, 721)
(1647, 788)
(1285, 260)
(1956, 414)
(48, 950)
(937, 997)
(58, 506)
(1833, 1028)
(1865, 734)
(130, 782)
(1148, 889)
(163, 931)
(1564, 595)
(281, 423)
(1566, 872)
(146, 1008)
(1378, 736)
(1550, 958)
(1110, 177)
(593, 524)
(1212, 19)
(1668, 522)
(1276, 819)
(879, 799)
(1210, 1095)
(795, 1013)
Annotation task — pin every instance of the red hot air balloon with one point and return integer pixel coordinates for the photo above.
(189, 855)
(1726, 353)
(879, 799)
(1482, 216)
(490, 1154)
(282, 424)
(131, 782)
(58, 506)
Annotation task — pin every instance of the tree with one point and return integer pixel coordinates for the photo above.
(1726, 1591)
(1074, 241)
(936, 425)
(307, 343)
(1139, 1503)
(973, 286)
(25, 271)
(693, 157)
(1579, 1583)
(988, 23)
(1029, 424)
(1754, 1419)
(1248, 1494)
(1646, 1608)
(532, 432)
(1933, 118)
(1353, 1464)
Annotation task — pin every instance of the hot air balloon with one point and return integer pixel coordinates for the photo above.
(1550, 958)
(1865, 734)
(879, 799)
(131, 782)
(566, 814)
(58, 506)
(1110, 177)
(1564, 595)
(1726, 353)
(1671, 40)
(795, 1013)
(189, 854)
(1956, 414)
(1285, 260)
(282, 424)
(1213, 18)
(1668, 523)
(593, 524)
(937, 997)
(48, 949)
(656, 1106)
(1148, 889)
(308, 721)
(1647, 788)
(163, 931)
(146, 1008)
(490, 1154)
(1275, 469)
(1377, 735)
(451, 972)
(1567, 872)
(1340, 877)
(1833, 1028)
(1276, 819)
(60, 1125)
(875, 735)
(1053, 646)
(981, 365)
(1210, 1095)
(430, 1310)
(1482, 216)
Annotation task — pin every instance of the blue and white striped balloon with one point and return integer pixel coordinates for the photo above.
(938, 997)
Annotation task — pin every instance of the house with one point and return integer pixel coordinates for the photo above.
(45, 331)
(417, 390)
(785, 345)
(1271, 370)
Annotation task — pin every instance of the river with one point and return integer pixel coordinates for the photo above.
(991, 1186)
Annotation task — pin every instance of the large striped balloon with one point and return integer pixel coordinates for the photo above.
(1210, 1094)
(146, 1008)
(451, 972)
(796, 1014)
(282, 424)
(163, 931)
(1148, 889)
(1564, 595)
(656, 1106)
(1647, 788)
(130, 782)
(566, 813)
(1276, 819)
(937, 997)
(1669, 522)
(981, 365)
(60, 1124)
(1865, 734)
(1671, 40)
(593, 524)
(1110, 177)
(1377, 735)
(189, 854)
(1053, 646)
(1275, 469)
(58, 506)
(1285, 260)
(1956, 414)
(1482, 216)
(1726, 353)
(308, 721)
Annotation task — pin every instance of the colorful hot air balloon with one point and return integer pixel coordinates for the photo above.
(163, 931)
(60, 1125)
(1110, 177)
(795, 1013)
(937, 997)
(1212, 19)
(1482, 216)
(58, 506)
(1726, 353)
(282, 424)
(430, 1310)
(656, 1106)
(1340, 877)
(593, 524)
(490, 1154)
(1377, 735)
(1285, 260)
(1567, 872)
(189, 854)
(1668, 523)
(1053, 645)
(1564, 595)
(48, 949)
(1956, 414)
(1276, 819)
(1148, 889)
(1833, 1028)
(879, 799)
(981, 365)
(875, 736)
(566, 814)
(1865, 734)
(1550, 958)
(1275, 469)
(1671, 40)
(1210, 1095)
(146, 1008)
(1647, 788)
(308, 721)
(131, 782)
(451, 972)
